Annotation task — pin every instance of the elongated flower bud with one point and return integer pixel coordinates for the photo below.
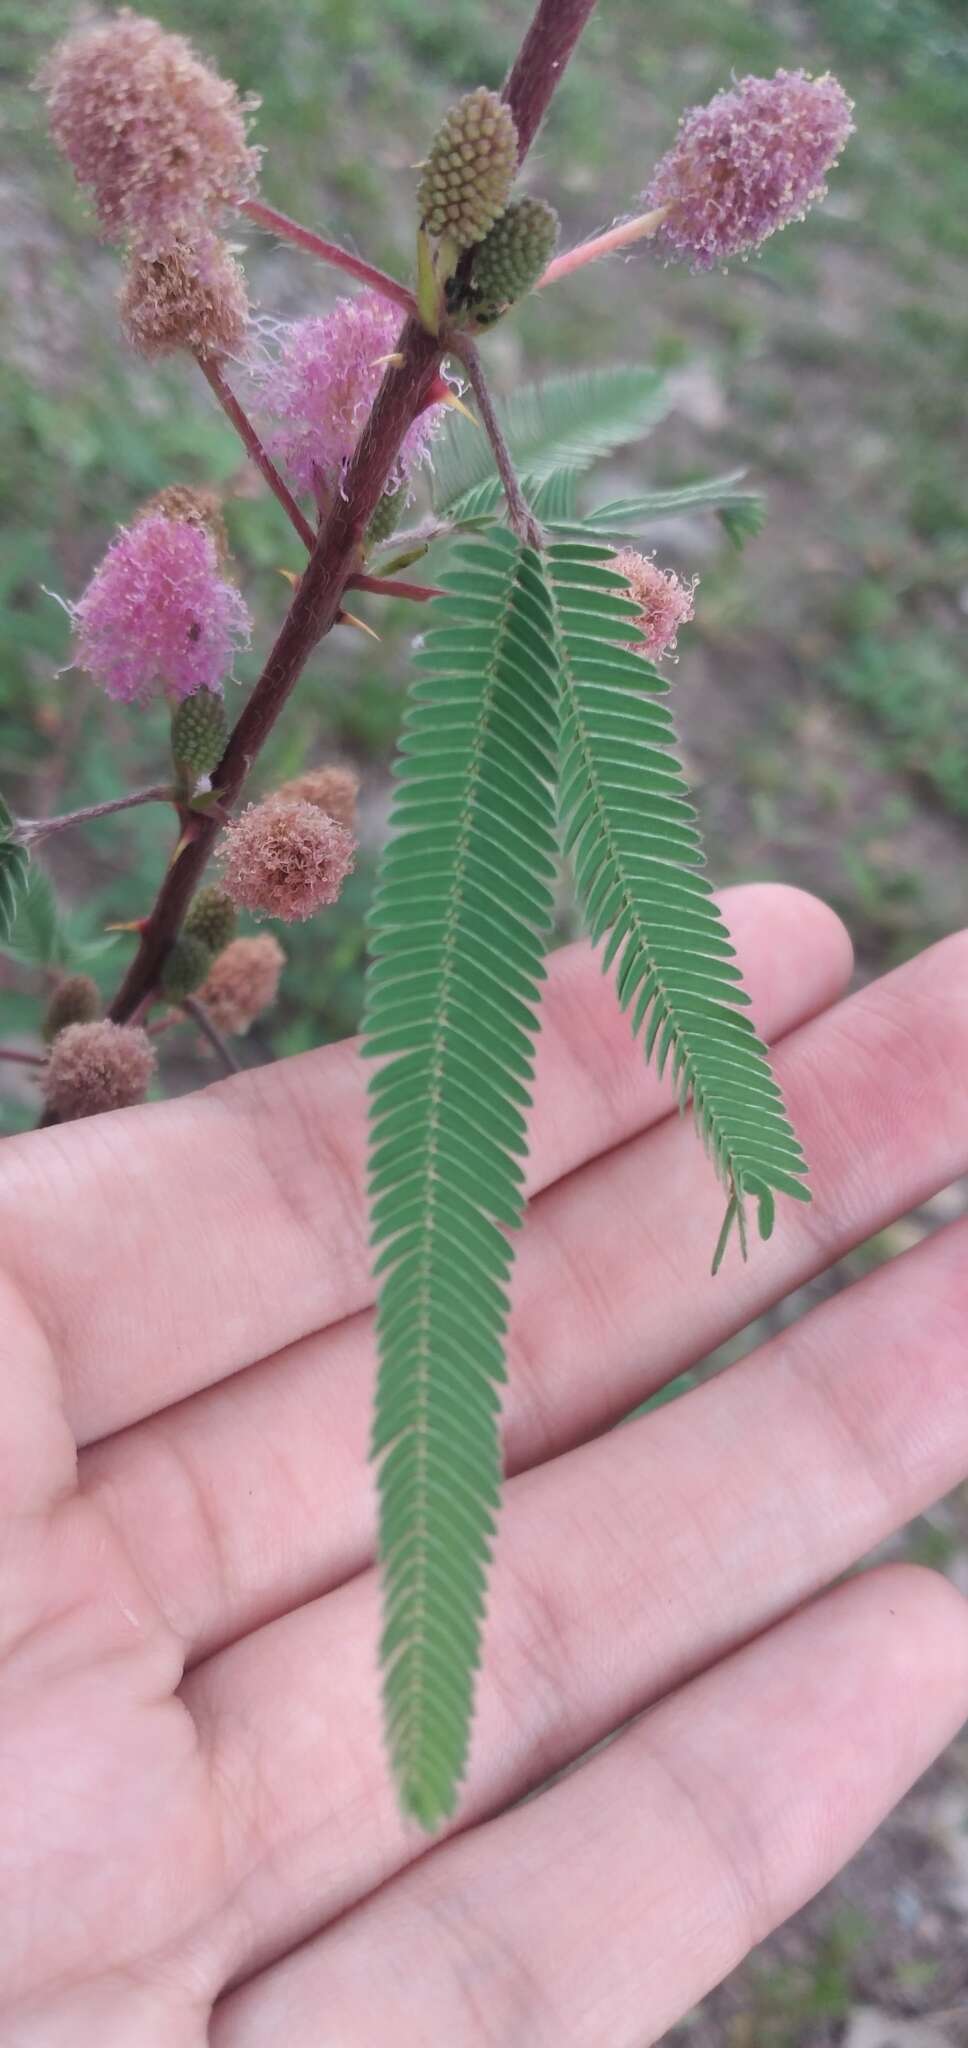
(74, 1001)
(94, 1067)
(187, 963)
(755, 158)
(155, 134)
(470, 170)
(199, 729)
(190, 294)
(386, 518)
(211, 918)
(243, 982)
(285, 858)
(514, 254)
(156, 612)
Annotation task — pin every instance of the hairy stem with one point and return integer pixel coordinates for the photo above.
(520, 515)
(30, 829)
(330, 252)
(536, 73)
(625, 232)
(195, 1009)
(22, 1059)
(337, 550)
(211, 371)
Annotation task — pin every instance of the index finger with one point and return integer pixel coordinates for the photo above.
(163, 1248)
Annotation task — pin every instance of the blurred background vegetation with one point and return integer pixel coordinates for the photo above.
(821, 693)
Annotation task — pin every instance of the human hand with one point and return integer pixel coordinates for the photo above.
(193, 1794)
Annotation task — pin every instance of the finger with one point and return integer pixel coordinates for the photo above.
(38, 1460)
(220, 1499)
(233, 1221)
(604, 1910)
(621, 1570)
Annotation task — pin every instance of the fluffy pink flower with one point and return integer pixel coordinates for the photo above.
(748, 163)
(285, 858)
(321, 383)
(156, 134)
(156, 611)
(665, 602)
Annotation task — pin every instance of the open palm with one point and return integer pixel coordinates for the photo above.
(194, 1807)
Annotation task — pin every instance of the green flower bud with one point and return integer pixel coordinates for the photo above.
(514, 254)
(74, 1001)
(185, 968)
(199, 729)
(470, 169)
(386, 518)
(211, 918)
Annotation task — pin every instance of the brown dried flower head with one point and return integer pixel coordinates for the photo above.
(284, 858)
(333, 790)
(154, 133)
(243, 982)
(93, 1067)
(196, 505)
(191, 294)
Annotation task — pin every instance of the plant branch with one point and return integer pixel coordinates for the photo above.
(536, 73)
(23, 1059)
(520, 515)
(211, 371)
(337, 551)
(625, 232)
(30, 829)
(195, 1009)
(329, 252)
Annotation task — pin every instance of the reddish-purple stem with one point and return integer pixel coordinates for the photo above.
(329, 252)
(211, 370)
(336, 554)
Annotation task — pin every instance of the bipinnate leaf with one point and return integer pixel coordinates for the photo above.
(567, 422)
(461, 914)
(631, 833)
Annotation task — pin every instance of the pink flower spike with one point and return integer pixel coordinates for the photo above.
(154, 132)
(665, 602)
(157, 612)
(748, 163)
(321, 383)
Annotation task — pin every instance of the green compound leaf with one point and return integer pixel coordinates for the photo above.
(42, 934)
(461, 915)
(742, 513)
(14, 870)
(632, 836)
(564, 423)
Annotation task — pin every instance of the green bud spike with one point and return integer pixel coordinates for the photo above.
(199, 729)
(386, 518)
(185, 968)
(74, 1001)
(211, 918)
(470, 169)
(513, 255)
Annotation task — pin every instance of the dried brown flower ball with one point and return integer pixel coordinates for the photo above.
(243, 982)
(196, 505)
(333, 790)
(94, 1067)
(191, 294)
(284, 858)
